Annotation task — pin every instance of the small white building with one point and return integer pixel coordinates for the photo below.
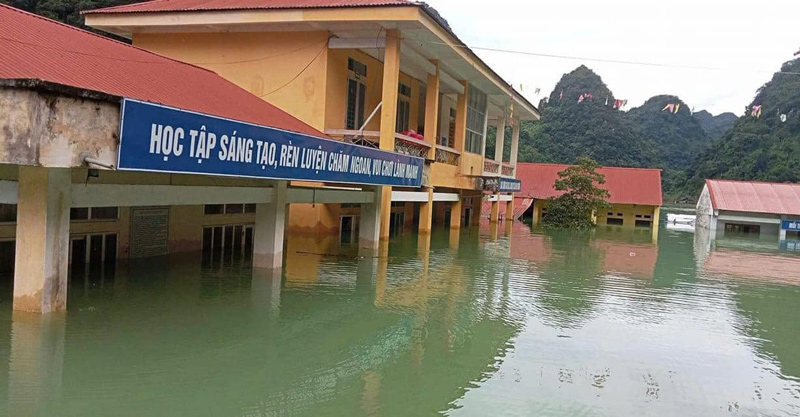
(729, 207)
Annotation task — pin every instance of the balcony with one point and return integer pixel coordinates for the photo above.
(507, 170)
(402, 143)
(491, 167)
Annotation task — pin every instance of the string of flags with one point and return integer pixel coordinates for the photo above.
(755, 111)
(619, 104)
(585, 96)
(672, 107)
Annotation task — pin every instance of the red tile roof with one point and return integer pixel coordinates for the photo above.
(198, 5)
(36, 48)
(755, 197)
(626, 185)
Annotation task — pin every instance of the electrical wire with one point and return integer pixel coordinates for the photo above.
(245, 61)
(605, 60)
(299, 73)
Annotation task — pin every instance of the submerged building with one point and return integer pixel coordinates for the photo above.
(763, 209)
(109, 151)
(635, 194)
(385, 74)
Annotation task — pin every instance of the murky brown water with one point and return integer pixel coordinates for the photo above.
(545, 324)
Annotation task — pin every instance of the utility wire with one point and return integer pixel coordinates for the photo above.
(611, 61)
(299, 73)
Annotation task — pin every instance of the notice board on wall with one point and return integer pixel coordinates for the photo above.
(149, 232)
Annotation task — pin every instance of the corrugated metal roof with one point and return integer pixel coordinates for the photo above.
(36, 48)
(626, 185)
(205, 5)
(755, 197)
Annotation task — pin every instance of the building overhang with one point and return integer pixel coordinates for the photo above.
(425, 38)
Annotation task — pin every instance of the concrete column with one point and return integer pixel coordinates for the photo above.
(408, 215)
(461, 119)
(41, 266)
(455, 214)
(656, 223)
(426, 214)
(495, 216)
(510, 210)
(514, 145)
(476, 211)
(370, 222)
(391, 80)
(500, 138)
(269, 229)
(432, 110)
(537, 212)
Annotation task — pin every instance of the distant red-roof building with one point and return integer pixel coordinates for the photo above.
(36, 50)
(752, 207)
(754, 197)
(626, 185)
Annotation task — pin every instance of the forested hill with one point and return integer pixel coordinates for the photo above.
(715, 126)
(761, 147)
(67, 11)
(572, 126)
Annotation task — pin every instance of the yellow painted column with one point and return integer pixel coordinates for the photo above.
(455, 214)
(500, 138)
(656, 223)
(537, 210)
(432, 110)
(495, 216)
(41, 264)
(391, 80)
(426, 214)
(510, 210)
(461, 119)
(408, 215)
(476, 210)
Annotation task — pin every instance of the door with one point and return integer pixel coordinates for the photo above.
(346, 230)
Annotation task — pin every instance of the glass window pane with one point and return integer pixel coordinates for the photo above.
(213, 209)
(249, 208)
(8, 213)
(350, 111)
(234, 208)
(105, 213)
(79, 213)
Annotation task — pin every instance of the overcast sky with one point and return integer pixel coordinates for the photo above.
(749, 39)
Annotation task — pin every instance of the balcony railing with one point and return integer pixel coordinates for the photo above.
(508, 170)
(447, 155)
(411, 146)
(491, 166)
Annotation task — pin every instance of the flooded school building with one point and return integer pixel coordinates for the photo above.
(227, 125)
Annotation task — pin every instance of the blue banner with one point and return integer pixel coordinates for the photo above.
(790, 225)
(164, 139)
(502, 185)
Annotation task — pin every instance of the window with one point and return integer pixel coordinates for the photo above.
(8, 213)
(94, 213)
(614, 222)
(742, 228)
(476, 120)
(403, 113)
(213, 209)
(234, 208)
(104, 213)
(643, 223)
(350, 205)
(358, 68)
(79, 213)
(356, 95)
(237, 208)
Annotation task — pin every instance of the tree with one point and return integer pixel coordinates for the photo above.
(575, 208)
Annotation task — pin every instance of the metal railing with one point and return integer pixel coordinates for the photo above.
(447, 155)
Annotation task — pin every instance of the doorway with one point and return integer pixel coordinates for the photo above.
(228, 243)
(348, 229)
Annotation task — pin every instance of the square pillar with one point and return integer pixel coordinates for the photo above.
(510, 210)
(426, 214)
(432, 110)
(391, 81)
(495, 216)
(476, 211)
(455, 214)
(500, 138)
(461, 119)
(41, 265)
(269, 229)
(369, 226)
(514, 146)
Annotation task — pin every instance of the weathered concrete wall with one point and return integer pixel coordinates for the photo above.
(43, 129)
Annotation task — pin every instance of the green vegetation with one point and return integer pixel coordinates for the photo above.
(581, 199)
(67, 11)
(763, 148)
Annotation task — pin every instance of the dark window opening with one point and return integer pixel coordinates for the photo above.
(79, 213)
(104, 213)
(614, 222)
(643, 223)
(250, 208)
(8, 213)
(213, 209)
(742, 228)
(234, 208)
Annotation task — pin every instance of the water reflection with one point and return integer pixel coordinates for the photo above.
(483, 321)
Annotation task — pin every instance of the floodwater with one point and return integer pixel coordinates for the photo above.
(483, 323)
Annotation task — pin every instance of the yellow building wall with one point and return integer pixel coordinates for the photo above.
(471, 164)
(260, 62)
(628, 211)
(336, 97)
(449, 176)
